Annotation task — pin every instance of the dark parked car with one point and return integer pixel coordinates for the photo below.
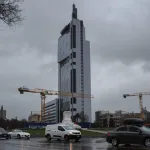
(4, 134)
(129, 134)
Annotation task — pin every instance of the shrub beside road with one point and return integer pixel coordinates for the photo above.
(102, 129)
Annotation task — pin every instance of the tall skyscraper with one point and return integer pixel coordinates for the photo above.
(74, 73)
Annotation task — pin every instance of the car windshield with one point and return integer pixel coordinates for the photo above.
(145, 129)
(17, 131)
(68, 127)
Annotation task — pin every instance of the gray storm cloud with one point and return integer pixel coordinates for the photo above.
(119, 32)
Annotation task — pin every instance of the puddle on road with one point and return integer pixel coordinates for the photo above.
(123, 147)
(100, 141)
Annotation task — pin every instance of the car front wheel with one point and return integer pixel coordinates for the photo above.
(48, 137)
(115, 142)
(7, 137)
(77, 140)
(147, 142)
(66, 138)
(18, 136)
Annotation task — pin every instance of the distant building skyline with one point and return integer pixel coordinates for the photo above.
(103, 118)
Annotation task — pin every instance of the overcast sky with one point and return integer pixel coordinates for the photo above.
(119, 32)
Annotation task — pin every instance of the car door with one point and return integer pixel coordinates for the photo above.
(13, 133)
(134, 135)
(121, 134)
(60, 132)
(0, 132)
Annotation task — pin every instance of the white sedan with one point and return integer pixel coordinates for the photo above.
(19, 134)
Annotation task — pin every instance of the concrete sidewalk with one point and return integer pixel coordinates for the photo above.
(98, 131)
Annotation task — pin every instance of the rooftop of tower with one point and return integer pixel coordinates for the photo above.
(74, 12)
(74, 15)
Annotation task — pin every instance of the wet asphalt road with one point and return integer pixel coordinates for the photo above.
(42, 144)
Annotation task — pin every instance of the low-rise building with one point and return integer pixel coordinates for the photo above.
(102, 118)
(52, 111)
(107, 119)
(34, 118)
(147, 116)
(131, 115)
(118, 117)
(117, 120)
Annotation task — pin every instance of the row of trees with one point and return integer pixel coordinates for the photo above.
(104, 123)
(80, 116)
(12, 123)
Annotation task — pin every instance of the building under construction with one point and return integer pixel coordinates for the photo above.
(35, 117)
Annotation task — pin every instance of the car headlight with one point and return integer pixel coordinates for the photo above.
(70, 132)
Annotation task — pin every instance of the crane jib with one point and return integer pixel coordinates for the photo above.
(44, 92)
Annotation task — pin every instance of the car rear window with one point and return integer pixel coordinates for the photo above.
(121, 129)
(134, 129)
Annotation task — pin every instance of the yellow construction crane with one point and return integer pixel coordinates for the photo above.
(140, 95)
(44, 92)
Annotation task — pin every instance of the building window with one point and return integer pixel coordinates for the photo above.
(74, 54)
(74, 36)
(74, 100)
(71, 38)
(74, 63)
(81, 23)
(74, 109)
(73, 80)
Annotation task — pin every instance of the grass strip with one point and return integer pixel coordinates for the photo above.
(41, 133)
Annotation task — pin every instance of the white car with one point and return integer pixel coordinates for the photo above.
(19, 134)
(61, 131)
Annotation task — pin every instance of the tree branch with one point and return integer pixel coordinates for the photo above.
(10, 13)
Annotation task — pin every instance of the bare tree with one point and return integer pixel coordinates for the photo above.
(83, 117)
(10, 12)
(24, 120)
